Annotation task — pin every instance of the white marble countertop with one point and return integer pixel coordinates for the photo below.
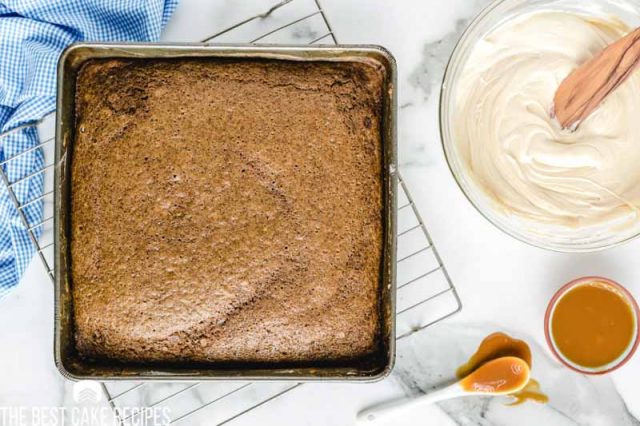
(504, 284)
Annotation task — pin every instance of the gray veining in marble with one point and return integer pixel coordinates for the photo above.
(486, 265)
(573, 398)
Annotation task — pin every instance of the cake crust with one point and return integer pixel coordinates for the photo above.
(227, 211)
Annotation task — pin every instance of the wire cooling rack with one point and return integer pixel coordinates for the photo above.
(425, 295)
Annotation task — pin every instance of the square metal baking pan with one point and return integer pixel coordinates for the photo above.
(67, 359)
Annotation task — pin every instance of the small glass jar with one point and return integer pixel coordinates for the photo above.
(620, 291)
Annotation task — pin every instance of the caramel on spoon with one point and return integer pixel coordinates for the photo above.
(588, 85)
(500, 376)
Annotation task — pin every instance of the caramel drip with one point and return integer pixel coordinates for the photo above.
(531, 392)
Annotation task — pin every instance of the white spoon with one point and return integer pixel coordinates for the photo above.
(501, 376)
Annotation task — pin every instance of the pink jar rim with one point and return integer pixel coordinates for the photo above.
(581, 281)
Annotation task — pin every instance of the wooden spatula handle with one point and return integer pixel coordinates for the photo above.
(586, 87)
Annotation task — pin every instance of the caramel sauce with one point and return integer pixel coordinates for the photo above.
(530, 392)
(498, 345)
(592, 324)
(503, 375)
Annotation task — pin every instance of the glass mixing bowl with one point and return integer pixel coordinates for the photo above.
(541, 235)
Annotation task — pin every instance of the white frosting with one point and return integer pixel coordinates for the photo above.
(518, 154)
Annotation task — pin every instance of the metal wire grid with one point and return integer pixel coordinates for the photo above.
(426, 294)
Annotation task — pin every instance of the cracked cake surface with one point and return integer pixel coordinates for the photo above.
(227, 210)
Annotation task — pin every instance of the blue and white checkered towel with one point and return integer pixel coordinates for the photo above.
(33, 33)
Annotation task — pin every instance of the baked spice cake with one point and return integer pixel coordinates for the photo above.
(227, 210)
